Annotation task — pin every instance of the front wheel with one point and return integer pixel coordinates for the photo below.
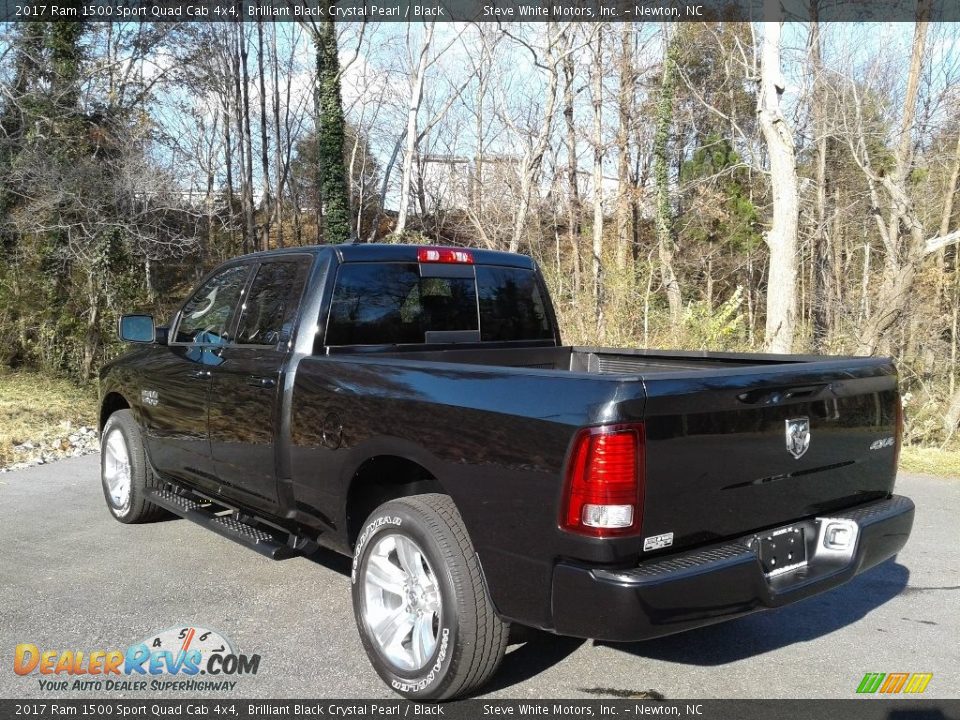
(420, 601)
(124, 471)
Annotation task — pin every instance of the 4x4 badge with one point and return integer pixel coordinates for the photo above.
(798, 435)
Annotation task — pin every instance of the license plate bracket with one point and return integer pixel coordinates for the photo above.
(782, 550)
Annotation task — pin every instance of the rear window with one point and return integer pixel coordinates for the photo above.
(511, 306)
(389, 303)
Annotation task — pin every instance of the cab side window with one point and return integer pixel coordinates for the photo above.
(206, 316)
(270, 309)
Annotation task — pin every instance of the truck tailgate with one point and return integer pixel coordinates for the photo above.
(738, 450)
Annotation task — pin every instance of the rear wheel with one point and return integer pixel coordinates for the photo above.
(420, 601)
(124, 472)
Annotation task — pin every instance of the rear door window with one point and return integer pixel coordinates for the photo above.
(269, 311)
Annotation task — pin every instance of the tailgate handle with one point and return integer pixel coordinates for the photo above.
(775, 396)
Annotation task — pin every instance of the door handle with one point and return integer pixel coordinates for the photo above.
(200, 374)
(262, 382)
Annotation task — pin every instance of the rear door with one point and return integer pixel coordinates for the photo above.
(734, 450)
(175, 393)
(247, 383)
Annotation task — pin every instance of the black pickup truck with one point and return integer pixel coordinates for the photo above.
(415, 408)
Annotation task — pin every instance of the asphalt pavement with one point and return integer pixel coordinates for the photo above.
(71, 577)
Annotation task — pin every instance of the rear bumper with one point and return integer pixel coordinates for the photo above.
(716, 583)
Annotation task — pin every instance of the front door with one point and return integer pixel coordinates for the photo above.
(247, 385)
(175, 403)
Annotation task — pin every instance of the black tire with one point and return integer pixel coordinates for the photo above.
(470, 638)
(136, 509)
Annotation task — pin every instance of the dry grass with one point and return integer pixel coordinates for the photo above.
(931, 461)
(37, 408)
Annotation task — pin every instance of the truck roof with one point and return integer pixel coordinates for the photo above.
(383, 252)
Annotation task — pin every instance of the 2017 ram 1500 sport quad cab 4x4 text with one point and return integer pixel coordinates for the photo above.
(414, 407)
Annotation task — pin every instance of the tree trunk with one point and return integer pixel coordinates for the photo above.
(625, 109)
(950, 191)
(267, 202)
(951, 418)
(597, 257)
(331, 126)
(228, 166)
(946, 212)
(91, 343)
(954, 326)
(277, 135)
(533, 158)
(782, 236)
(384, 186)
(245, 238)
(358, 191)
(822, 272)
(413, 110)
(665, 242)
(251, 226)
(573, 192)
(710, 285)
(210, 202)
(904, 252)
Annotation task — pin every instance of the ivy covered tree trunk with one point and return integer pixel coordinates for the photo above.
(331, 171)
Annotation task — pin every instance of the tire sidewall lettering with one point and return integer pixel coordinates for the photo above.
(368, 532)
(428, 680)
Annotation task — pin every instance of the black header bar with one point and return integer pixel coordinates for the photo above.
(503, 11)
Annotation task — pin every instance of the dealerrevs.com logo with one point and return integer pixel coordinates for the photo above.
(173, 659)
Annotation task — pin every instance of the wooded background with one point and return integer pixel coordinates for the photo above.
(783, 187)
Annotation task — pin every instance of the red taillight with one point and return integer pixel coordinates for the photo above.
(603, 495)
(444, 255)
(897, 432)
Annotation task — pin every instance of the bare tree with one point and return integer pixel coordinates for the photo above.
(573, 192)
(625, 113)
(413, 134)
(664, 212)
(782, 236)
(597, 65)
(548, 58)
(822, 272)
(902, 231)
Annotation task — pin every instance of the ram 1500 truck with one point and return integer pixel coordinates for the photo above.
(414, 408)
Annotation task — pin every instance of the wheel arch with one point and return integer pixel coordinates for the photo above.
(112, 402)
(381, 478)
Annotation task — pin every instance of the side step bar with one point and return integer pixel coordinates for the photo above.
(223, 522)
